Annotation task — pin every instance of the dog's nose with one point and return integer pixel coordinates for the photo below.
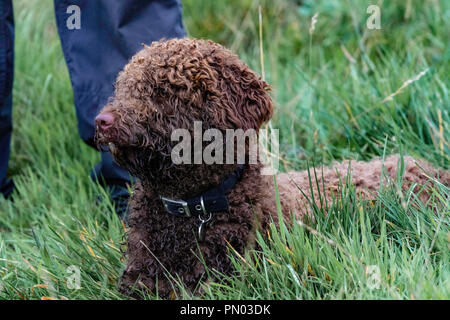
(104, 121)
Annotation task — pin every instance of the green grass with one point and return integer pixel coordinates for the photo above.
(328, 107)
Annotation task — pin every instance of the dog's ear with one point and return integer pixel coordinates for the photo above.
(243, 101)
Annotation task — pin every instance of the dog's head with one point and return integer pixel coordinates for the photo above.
(170, 85)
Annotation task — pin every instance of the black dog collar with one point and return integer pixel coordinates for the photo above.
(213, 200)
(204, 205)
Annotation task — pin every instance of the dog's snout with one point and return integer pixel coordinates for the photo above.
(104, 121)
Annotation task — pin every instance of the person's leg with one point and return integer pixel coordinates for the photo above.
(6, 81)
(108, 34)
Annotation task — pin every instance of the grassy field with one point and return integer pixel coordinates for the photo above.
(332, 89)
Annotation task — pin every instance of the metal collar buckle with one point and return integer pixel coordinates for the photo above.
(183, 208)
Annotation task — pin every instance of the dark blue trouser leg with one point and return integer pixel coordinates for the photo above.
(109, 33)
(6, 82)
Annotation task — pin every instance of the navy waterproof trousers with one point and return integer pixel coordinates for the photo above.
(98, 37)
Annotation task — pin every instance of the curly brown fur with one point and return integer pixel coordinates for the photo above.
(168, 86)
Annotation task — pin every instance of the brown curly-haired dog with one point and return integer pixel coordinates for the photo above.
(168, 86)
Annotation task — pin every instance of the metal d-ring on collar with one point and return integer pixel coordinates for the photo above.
(203, 206)
(203, 221)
